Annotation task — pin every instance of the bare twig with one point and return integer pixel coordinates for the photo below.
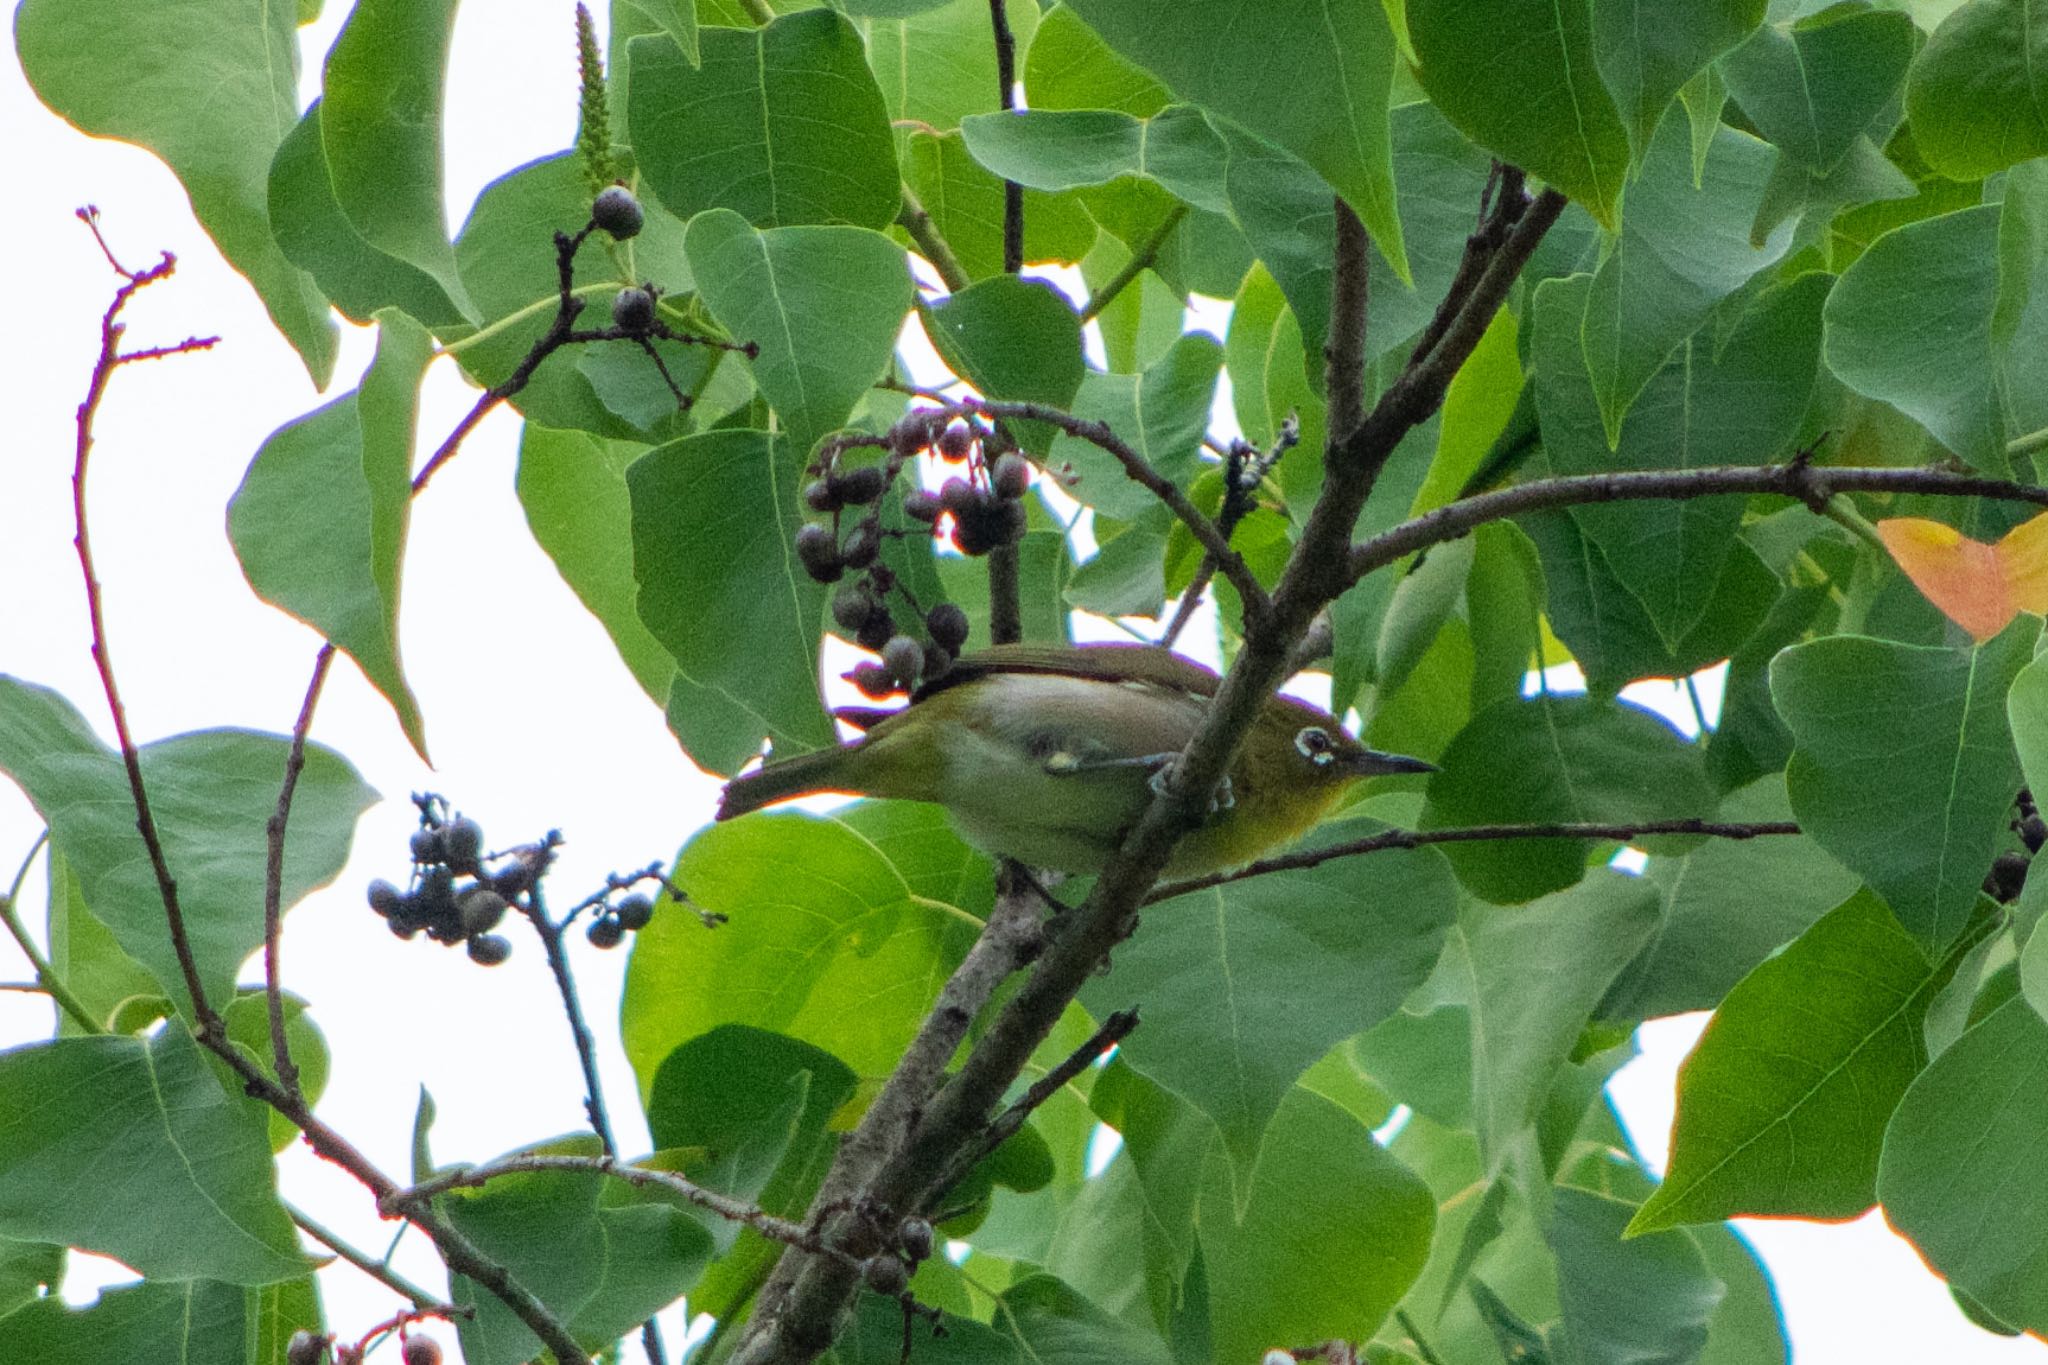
(376, 1269)
(273, 872)
(1005, 1125)
(47, 981)
(1410, 838)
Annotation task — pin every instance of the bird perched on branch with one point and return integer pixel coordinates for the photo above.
(1049, 755)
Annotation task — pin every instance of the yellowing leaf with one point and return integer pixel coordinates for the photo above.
(1980, 587)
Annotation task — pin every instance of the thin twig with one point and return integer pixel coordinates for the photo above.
(273, 872)
(47, 980)
(915, 220)
(1626, 832)
(1006, 82)
(1143, 260)
(377, 1270)
(1004, 1126)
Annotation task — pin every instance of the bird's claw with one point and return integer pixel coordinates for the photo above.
(1167, 772)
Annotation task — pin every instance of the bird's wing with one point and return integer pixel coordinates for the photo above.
(1109, 663)
(1070, 724)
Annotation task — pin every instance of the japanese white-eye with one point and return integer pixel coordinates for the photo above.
(1050, 755)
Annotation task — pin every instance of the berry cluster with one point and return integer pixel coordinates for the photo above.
(453, 896)
(986, 503)
(614, 921)
(2008, 874)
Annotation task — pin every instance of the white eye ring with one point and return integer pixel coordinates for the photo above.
(1315, 745)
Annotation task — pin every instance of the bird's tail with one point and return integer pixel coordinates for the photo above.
(781, 779)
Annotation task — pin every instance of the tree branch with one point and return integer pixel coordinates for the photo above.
(273, 873)
(1006, 80)
(1344, 351)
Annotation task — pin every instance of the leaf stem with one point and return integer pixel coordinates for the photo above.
(513, 319)
(47, 979)
(1141, 260)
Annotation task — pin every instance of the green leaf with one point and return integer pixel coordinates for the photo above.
(676, 18)
(824, 304)
(215, 122)
(1921, 834)
(1068, 149)
(1812, 90)
(1728, 905)
(1242, 987)
(1977, 91)
(84, 954)
(1650, 1298)
(247, 1017)
(1162, 414)
(380, 132)
(1069, 67)
(827, 944)
(1331, 1235)
(1646, 51)
(602, 1258)
(1267, 361)
(313, 231)
(572, 486)
(1537, 972)
(720, 588)
(1683, 248)
(1230, 56)
(319, 521)
(1748, 1328)
(1043, 569)
(783, 124)
(1739, 403)
(966, 207)
(211, 792)
(157, 1319)
(1782, 1105)
(1554, 118)
(1911, 323)
(1957, 1176)
(131, 1147)
(1556, 758)
(940, 66)
(1014, 340)
(1050, 1322)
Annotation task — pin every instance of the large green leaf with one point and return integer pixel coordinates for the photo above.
(1554, 118)
(939, 66)
(1230, 56)
(1556, 758)
(1684, 246)
(126, 71)
(966, 206)
(1243, 986)
(1911, 323)
(211, 792)
(823, 304)
(1068, 149)
(827, 944)
(1728, 905)
(380, 132)
(1960, 1159)
(783, 124)
(1737, 403)
(572, 486)
(1647, 51)
(1162, 414)
(320, 519)
(1649, 1299)
(314, 232)
(157, 1319)
(132, 1148)
(1537, 972)
(1070, 67)
(603, 1257)
(1013, 339)
(85, 954)
(1978, 91)
(1905, 768)
(1813, 89)
(1330, 1236)
(714, 517)
(1782, 1105)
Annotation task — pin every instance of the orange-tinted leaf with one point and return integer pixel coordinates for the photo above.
(1980, 587)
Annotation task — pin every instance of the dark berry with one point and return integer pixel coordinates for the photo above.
(955, 442)
(819, 554)
(959, 497)
(920, 505)
(488, 950)
(820, 496)
(617, 212)
(436, 897)
(480, 909)
(979, 529)
(2007, 877)
(605, 932)
(863, 543)
(876, 630)
(420, 1350)
(904, 658)
(872, 680)
(886, 1275)
(426, 846)
(1010, 477)
(2034, 832)
(305, 1348)
(633, 310)
(936, 661)
(915, 1237)
(853, 604)
(462, 843)
(948, 626)
(634, 912)
(385, 898)
(912, 434)
(861, 486)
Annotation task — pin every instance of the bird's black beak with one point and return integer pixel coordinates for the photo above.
(1373, 763)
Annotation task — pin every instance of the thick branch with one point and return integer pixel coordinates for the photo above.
(1344, 352)
(1811, 484)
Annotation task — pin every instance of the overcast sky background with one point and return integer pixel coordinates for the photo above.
(548, 731)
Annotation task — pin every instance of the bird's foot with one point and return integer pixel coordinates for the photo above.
(1166, 773)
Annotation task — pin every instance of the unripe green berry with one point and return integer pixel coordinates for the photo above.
(633, 310)
(488, 950)
(605, 932)
(617, 212)
(634, 912)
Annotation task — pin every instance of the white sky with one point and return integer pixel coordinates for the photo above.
(527, 737)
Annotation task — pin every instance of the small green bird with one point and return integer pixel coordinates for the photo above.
(1049, 756)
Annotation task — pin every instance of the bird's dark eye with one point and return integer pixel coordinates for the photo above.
(1315, 744)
